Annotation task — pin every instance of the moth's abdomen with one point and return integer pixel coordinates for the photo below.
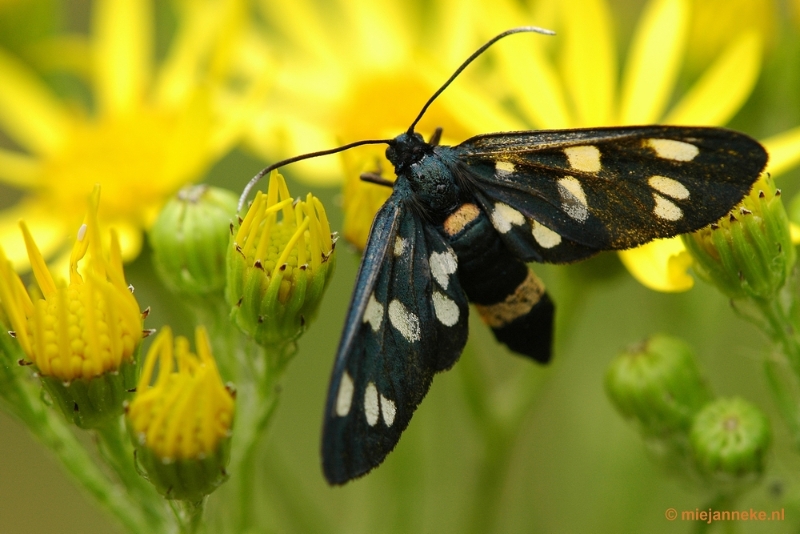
(508, 296)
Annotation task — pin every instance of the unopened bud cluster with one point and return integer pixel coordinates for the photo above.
(658, 386)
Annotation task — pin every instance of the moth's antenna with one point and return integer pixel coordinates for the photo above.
(470, 59)
(253, 181)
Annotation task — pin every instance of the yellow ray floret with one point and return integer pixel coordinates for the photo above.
(188, 411)
(77, 329)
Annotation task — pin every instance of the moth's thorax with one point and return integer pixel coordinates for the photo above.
(430, 177)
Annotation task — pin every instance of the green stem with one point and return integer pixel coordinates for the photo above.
(785, 387)
(21, 398)
(256, 406)
(189, 514)
(117, 451)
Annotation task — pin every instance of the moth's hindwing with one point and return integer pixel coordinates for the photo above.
(509, 297)
(407, 320)
(559, 196)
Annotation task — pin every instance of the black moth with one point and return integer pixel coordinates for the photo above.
(461, 224)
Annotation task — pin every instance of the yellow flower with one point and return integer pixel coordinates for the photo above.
(187, 412)
(150, 129)
(81, 329)
(82, 336)
(279, 267)
(363, 69)
(579, 89)
(182, 422)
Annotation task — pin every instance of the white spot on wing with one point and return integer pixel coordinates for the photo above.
(573, 199)
(445, 308)
(674, 150)
(442, 265)
(373, 314)
(668, 186)
(583, 158)
(345, 396)
(371, 409)
(545, 236)
(404, 321)
(388, 409)
(399, 246)
(503, 168)
(665, 209)
(504, 216)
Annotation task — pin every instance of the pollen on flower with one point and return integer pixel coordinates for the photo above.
(186, 411)
(78, 329)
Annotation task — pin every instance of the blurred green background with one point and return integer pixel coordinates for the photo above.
(576, 465)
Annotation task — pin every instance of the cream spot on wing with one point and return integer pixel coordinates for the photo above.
(371, 409)
(503, 168)
(504, 217)
(545, 236)
(674, 150)
(442, 265)
(404, 321)
(583, 158)
(399, 246)
(445, 308)
(388, 409)
(345, 396)
(573, 199)
(373, 314)
(665, 209)
(668, 186)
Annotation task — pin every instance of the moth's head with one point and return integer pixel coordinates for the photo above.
(406, 149)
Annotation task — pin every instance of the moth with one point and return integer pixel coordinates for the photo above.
(460, 226)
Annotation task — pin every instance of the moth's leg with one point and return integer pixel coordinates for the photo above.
(436, 136)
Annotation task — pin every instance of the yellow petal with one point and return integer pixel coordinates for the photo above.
(529, 76)
(122, 37)
(724, 87)
(472, 110)
(660, 265)
(19, 170)
(784, 151)
(654, 60)
(48, 232)
(381, 31)
(29, 113)
(130, 238)
(794, 232)
(312, 37)
(589, 60)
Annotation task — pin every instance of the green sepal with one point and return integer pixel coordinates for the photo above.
(90, 403)
(184, 479)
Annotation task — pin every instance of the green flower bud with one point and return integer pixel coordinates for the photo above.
(279, 264)
(658, 386)
(748, 253)
(190, 239)
(729, 440)
(181, 424)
